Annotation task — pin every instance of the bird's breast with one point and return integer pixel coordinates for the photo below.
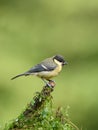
(50, 74)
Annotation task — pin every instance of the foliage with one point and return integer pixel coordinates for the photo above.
(39, 115)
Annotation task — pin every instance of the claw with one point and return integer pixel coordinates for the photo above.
(50, 84)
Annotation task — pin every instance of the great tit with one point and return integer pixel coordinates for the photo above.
(47, 69)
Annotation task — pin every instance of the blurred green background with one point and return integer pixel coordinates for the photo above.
(33, 30)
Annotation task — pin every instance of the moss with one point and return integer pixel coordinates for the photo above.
(40, 115)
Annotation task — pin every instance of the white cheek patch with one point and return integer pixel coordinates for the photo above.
(57, 62)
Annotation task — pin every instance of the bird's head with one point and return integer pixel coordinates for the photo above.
(59, 59)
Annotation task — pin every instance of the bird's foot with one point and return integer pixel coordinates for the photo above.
(51, 84)
(48, 85)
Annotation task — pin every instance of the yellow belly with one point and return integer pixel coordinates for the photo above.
(49, 74)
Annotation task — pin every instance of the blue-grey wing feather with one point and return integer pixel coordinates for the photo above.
(46, 65)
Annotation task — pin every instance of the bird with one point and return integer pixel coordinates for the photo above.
(47, 69)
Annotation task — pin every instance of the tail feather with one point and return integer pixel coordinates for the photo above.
(17, 76)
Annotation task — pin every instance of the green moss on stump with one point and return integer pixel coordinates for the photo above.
(39, 115)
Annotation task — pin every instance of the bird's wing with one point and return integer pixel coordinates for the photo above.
(46, 65)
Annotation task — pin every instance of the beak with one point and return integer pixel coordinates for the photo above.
(65, 63)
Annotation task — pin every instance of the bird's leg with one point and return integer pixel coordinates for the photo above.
(47, 83)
